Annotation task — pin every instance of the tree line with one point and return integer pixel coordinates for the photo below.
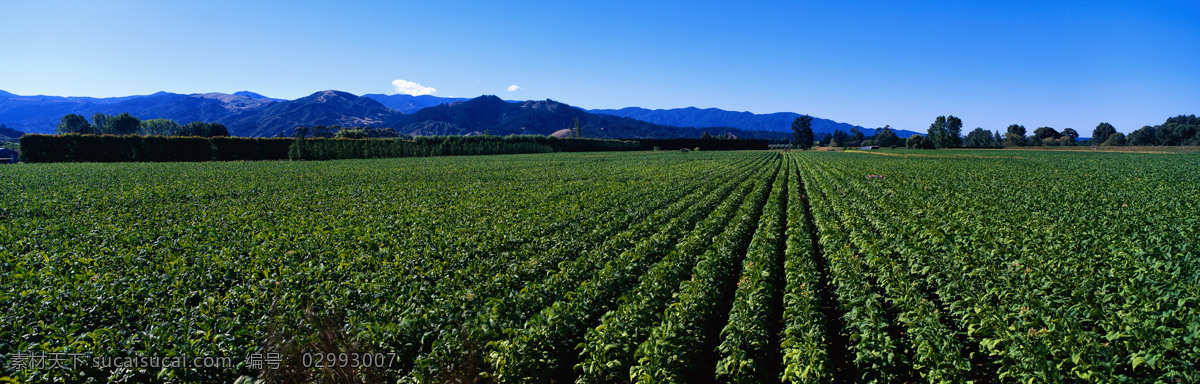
(136, 148)
(946, 132)
(126, 124)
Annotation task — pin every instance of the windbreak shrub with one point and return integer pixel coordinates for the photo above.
(423, 146)
(131, 148)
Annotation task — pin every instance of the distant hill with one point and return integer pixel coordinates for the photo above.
(491, 115)
(253, 95)
(321, 108)
(410, 103)
(40, 114)
(247, 113)
(9, 134)
(713, 117)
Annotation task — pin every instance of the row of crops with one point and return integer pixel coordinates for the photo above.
(646, 267)
(1032, 267)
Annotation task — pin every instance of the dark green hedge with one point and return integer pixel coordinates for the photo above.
(327, 149)
(247, 148)
(130, 148)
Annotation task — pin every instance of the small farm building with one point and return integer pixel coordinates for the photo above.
(8, 156)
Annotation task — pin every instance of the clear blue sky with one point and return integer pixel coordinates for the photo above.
(1037, 63)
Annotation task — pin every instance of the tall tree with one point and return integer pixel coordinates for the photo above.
(1102, 132)
(825, 140)
(300, 132)
(937, 134)
(1045, 136)
(953, 131)
(1069, 136)
(886, 137)
(802, 132)
(162, 127)
(1015, 137)
(73, 123)
(839, 138)
(1114, 140)
(320, 131)
(124, 124)
(1146, 135)
(103, 123)
(217, 130)
(856, 137)
(996, 140)
(978, 138)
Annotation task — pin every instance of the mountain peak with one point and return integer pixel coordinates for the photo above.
(549, 105)
(330, 95)
(251, 95)
(6, 94)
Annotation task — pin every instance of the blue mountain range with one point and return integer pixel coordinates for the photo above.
(248, 113)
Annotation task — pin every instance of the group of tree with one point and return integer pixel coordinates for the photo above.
(883, 137)
(946, 132)
(943, 133)
(126, 124)
(704, 135)
(1178, 130)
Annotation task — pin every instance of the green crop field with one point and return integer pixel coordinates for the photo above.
(649, 267)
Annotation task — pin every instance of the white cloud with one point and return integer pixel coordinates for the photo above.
(410, 88)
(514, 88)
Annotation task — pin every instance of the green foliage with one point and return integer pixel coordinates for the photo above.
(160, 127)
(1046, 133)
(979, 138)
(918, 142)
(945, 132)
(103, 123)
(329, 149)
(130, 148)
(123, 124)
(608, 352)
(750, 266)
(300, 133)
(993, 274)
(349, 133)
(802, 133)
(250, 148)
(747, 353)
(1102, 132)
(1014, 136)
(1115, 140)
(1179, 130)
(126, 124)
(679, 347)
(856, 138)
(886, 137)
(839, 139)
(73, 123)
(804, 347)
